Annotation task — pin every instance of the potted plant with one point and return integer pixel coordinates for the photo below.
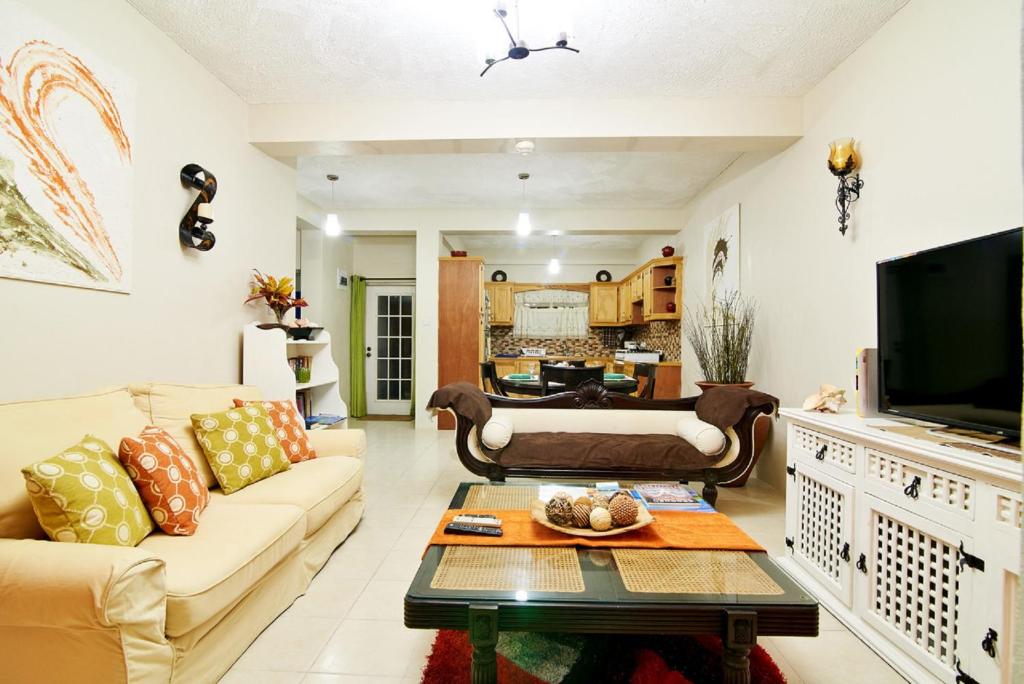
(720, 335)
(276, 293)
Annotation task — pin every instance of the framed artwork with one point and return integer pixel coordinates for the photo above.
(65, 159)
(722, 253)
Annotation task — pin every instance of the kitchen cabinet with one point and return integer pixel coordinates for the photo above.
(604, 305)
(645, 279)
(505, 367)
(625, 305)
(636, 287)
(502, 303)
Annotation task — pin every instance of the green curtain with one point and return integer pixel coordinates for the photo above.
(356, 347)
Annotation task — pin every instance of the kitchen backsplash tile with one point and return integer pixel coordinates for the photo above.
(663, 335)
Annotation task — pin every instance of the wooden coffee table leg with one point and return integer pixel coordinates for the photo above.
(483, 635)
(740, 636)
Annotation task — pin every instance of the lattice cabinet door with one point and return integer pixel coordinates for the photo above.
(914, 584)
(819, 527)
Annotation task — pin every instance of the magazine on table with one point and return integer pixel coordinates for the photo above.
(669, 496)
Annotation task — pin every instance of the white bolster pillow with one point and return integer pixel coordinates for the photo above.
(706, 437)
(497, 433)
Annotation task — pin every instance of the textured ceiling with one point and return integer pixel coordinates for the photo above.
(339, 50)
(562, 181)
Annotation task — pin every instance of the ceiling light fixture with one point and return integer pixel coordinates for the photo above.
(523, 225)
(525, 147)
(332, 226)
(554, 266)
(517, 46)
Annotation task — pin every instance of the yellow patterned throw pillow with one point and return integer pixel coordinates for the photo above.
(84, 495)
(240, 445)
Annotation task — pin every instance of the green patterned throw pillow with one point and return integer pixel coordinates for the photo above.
(83, 494)
(240, 445)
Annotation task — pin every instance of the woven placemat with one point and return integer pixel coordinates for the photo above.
(669, 571)
(500, 498)
(505, 568)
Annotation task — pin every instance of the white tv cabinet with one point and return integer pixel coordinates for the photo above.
(265, 355)
(914, 546)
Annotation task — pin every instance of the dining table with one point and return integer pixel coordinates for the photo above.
(529, 384)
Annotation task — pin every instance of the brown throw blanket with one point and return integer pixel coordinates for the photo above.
(464, 398)
(723, 407)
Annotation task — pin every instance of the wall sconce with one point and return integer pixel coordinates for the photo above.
(843, 160)
(192, 230)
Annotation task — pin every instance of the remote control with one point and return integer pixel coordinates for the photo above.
(459, 528)
(482, 520)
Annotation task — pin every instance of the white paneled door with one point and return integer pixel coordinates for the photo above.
(389, 347)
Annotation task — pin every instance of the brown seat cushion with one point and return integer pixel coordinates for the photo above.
(601, 451)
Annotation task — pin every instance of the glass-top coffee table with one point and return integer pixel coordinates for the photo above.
(736, 595)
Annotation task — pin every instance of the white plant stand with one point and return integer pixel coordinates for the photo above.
(265, 355)
(913, 545)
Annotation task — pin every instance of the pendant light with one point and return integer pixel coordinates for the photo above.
(554, 266)
(523, 225)
(332, 226)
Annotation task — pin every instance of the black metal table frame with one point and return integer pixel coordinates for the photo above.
(533, 387)
(737, 619)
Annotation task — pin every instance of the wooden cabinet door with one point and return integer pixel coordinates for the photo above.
(625, 307)
(604, 305)
(647, 292)
(502, 306)
(505, 367)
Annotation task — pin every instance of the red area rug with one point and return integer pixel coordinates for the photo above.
(612, 659)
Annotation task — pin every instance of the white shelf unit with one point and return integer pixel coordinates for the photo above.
(265, 355)
(913, 545)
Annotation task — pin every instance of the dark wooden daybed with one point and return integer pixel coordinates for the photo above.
(601, 442)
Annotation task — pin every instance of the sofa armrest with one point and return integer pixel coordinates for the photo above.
(101, 608)
(338, 442)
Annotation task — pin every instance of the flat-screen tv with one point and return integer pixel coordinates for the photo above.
(949, 334)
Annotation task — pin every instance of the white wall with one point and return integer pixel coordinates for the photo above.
(183, 318)
(385, 256)
(933, 99)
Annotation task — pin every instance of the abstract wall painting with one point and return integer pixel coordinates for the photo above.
(65, 159)
(722, 253)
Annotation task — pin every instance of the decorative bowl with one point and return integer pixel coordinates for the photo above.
(643, 519)
(309, 333)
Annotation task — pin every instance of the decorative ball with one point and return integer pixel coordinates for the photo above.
(623, 510)
(668, 250)
(581, 514)
(582, 500)
(600, 519)
(559, 510)
(599, 501)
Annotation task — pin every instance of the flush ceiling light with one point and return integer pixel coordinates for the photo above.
(332, 226)
(517, 46)
(524, 147)
(523, 224)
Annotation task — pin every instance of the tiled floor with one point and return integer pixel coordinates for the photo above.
(348, 629)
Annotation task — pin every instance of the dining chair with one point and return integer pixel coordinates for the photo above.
(645, 370)
(578, 363)
(570, 377)
(489, 375)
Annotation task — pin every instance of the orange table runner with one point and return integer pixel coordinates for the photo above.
(670, 530)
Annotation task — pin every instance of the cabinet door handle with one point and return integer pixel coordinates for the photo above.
(862, 563)
(913, 489)
(821, 452)
(845, 553)
(988, 644)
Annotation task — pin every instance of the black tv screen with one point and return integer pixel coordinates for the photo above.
(949, 334)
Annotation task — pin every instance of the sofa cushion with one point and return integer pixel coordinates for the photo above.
(227, 556)
(84, 495)
(170, 407)
(240, 446)
(289, 427)
(602, 451)
(705, 436)
(497, 433)
(168, 483)
(35, 430)
(320, 487)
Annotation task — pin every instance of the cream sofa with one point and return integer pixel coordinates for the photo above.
(173, 608)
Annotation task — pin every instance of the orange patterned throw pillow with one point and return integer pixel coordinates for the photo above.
(289, 428)
(167, 480)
